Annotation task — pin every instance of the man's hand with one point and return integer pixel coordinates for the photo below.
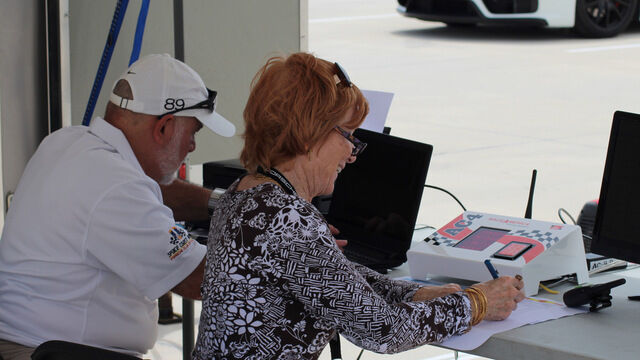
(432, 292)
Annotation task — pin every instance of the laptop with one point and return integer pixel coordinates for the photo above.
(376, 199)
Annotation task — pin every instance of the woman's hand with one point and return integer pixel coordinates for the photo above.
(432, 292)
(503, 295)
(341, 243)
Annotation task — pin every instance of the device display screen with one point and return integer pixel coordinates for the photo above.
(512, 250)
(615, 230)
(481, 238)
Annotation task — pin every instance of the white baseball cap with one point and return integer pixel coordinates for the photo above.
(163, 85)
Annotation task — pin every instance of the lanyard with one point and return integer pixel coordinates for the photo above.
(279, 178)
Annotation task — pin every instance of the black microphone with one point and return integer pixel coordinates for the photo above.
(597, 296)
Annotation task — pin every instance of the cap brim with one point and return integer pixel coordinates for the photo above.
(214, 121)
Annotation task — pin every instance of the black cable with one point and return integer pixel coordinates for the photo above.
(421, 227)
(359, 355)
(450, 194)
(562, 210)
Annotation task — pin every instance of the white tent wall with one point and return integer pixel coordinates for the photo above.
(225, 41)
(23, 86)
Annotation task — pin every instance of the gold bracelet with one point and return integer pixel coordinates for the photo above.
(483, 303)
(473, 299)
(479, 301)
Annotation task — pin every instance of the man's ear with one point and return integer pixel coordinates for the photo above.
(163, 129)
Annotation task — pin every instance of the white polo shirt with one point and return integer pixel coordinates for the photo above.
(88, 246)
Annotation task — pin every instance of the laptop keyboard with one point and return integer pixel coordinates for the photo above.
(372, 262)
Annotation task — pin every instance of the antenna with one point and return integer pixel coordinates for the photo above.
(527, 212)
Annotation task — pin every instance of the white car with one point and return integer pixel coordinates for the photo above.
(591, 18)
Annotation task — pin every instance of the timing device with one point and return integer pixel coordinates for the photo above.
(537, 250)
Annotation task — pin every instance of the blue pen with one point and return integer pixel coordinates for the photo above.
(492, 270)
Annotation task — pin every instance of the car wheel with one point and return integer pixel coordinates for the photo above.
(604, 18)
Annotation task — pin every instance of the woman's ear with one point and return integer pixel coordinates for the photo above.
(163, 129)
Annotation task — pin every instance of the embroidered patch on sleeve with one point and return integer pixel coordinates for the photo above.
(180, 239)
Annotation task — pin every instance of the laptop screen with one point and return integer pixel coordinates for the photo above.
(376, 199)
(615, 231)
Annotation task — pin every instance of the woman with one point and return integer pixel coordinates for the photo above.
(276, 284)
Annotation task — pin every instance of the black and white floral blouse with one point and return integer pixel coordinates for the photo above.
(277, 287)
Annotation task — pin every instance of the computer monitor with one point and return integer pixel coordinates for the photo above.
(615, 232)
(376, 199)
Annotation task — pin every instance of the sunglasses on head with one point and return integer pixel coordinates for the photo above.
(343, 77)
(177, 105)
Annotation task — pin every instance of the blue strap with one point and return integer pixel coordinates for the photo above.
(114, 30)
(137, 41)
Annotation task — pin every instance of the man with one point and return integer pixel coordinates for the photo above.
(88, 245)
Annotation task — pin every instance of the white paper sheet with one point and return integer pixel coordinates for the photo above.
(379, 104)
(531, 310)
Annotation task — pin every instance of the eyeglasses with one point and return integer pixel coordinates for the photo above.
(177, 105)
(358, 146)
(343, 77)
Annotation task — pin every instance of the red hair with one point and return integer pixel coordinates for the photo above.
(294, 104)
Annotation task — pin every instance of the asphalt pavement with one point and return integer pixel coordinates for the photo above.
(494, 102)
